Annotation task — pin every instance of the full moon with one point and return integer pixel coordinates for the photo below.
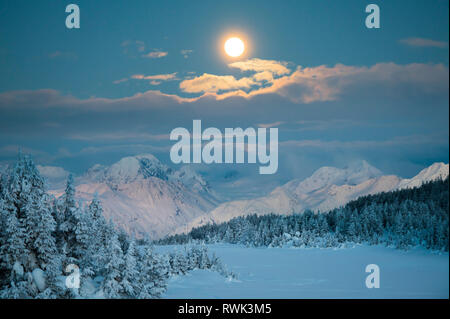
(234, 47)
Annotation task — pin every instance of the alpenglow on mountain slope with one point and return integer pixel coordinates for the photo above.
(327, 188)
(145, 197)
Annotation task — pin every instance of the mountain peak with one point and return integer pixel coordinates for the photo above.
(360, 171)
(129, 169)
(433, 172)
(144, 196)
(438, 166)
(353, 174)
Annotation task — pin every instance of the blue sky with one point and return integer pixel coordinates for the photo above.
(118, 85)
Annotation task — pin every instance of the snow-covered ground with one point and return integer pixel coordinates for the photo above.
(317, 273)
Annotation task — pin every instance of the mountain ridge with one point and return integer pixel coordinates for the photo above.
(325, 189)
(145, 197)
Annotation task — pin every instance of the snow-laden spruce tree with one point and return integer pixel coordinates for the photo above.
(29, 227)
(13, 239)
(130, 278)
(85, 245)
(41, 235)
(153, 274)
(69, 214)
(44, 226)
(179, 263)
(47, 252)
(28, 195)
(113, 269)
(99, 233)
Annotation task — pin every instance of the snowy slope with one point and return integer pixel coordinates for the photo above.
(431, 173)
(144, 196)
(327, 188)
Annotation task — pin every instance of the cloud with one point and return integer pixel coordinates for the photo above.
(263, 76)
(186, 53)
(265, 72)
(38, 100)
(408, 99)
(128, 148)
(260, 65)
(158, 77)
(303, 86)
(210, 83)
(133, 48)
(53, 172)
(268, 125)
(116, 136)
(323, 83)
(34, 99)
(323, 125)
(366, 144)
(63, 55)
(155, 54)
(423, 42)
(138, 44)
(13, 150)
(120, 81)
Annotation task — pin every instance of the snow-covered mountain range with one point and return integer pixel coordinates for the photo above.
(145, 197)
(327, 188)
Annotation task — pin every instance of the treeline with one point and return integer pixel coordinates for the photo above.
(46, 241)
(402, 218)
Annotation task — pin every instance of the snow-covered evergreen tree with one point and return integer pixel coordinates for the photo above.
(130, 273)
(44, 243)
(41, 235)
(113, 269)
(14, 250)
(29, 225)
(69, 211)
(100, 233)
(153, 274)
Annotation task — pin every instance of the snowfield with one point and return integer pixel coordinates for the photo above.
(316, 273)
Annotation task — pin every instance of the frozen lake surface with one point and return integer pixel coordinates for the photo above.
(316, 273)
